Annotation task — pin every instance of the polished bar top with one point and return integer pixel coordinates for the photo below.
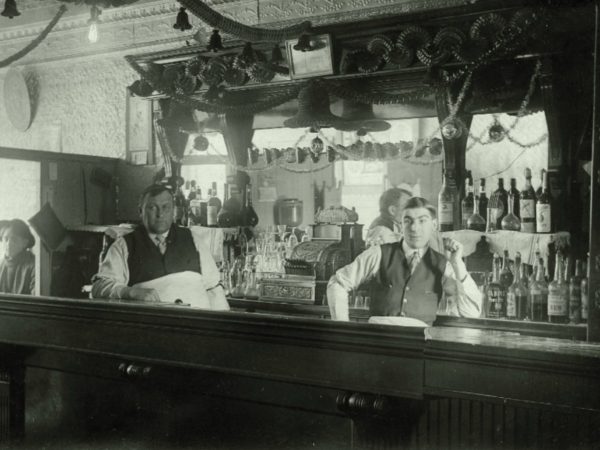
(512, 341)
(405, 362)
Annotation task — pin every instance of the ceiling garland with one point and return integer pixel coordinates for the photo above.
(241, 31)
(37, 41)
(510, 37)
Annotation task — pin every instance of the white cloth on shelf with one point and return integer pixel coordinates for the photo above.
(188, 286)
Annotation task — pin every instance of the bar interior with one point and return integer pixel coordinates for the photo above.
(275, 224)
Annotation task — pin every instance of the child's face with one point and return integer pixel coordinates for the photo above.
(13, 243)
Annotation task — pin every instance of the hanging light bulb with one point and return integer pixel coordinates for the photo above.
(93, 22)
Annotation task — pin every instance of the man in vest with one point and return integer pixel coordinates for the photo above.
(386, 227)
(410, 277)
(156, 249)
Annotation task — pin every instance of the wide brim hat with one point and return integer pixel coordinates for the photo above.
(360, 116)
(313, 109)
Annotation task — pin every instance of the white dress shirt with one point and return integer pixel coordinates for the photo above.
(113, 276)
(462, 298)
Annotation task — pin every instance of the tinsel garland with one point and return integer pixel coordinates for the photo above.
(33, 44)
(241, 31)
(508, 41)
(211, 107)
(520, 114)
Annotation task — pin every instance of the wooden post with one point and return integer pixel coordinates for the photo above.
(454, 152)
(594, 265)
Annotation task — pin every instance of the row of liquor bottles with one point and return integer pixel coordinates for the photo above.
(518, 295)
(527, 210)
(210, 211)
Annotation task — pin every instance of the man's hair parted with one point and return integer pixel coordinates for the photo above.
(420, 202)
(152, 191)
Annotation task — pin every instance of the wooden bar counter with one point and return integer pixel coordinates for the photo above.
(240, 380)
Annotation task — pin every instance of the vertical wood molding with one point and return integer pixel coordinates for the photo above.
(555, 150)
(594, 264)
(454, 150)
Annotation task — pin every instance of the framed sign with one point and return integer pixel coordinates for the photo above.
(312, 63)
(139, 135)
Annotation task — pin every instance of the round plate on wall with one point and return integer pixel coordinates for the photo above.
(16, 99)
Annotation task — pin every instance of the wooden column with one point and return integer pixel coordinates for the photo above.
(454, 151)
(594, 265)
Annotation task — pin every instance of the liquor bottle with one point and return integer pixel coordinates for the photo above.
(517, 296)
(467, 203)
(180, 206)
(533, 275)
(527, 205)
(575, 294)
(248, 216)
(203, 207)
(476, 221)
(500, 202)
(446, 200)
(483, 200)
(192, 193)
(216, 195)
(506, 276)
(229, 216)
(510, 221)
(558, 311)
(585, 291)
(496, 293)
(543, 208)
(540, 188)
(517, 197)
(538, 294)
(213, 206)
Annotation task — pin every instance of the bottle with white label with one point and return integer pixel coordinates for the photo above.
(543, 208)
(446, 200)
(527, 205)
(585, 292)
(558, 303)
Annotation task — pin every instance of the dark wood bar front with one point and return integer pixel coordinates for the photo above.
(288, 382)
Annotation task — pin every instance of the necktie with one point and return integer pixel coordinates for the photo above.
(414, 261)
(161, 244)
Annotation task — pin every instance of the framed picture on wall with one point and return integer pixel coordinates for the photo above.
(312, 63)
(139, 135)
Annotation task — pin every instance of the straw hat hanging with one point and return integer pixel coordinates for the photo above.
(313, 109)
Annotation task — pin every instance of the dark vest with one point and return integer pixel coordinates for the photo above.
(397, 292)
(145, 261)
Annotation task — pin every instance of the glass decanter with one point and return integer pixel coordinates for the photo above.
(511, 222)
(475, 221)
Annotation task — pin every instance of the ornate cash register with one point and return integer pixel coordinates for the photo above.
(336, 241)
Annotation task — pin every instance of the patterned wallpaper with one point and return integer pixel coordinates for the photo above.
(79, 107)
